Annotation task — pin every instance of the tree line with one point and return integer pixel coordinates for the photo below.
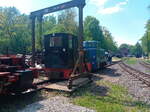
(142, 47)
(15, 30)
(146, 39)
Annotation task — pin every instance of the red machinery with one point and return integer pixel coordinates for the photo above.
(15, 75)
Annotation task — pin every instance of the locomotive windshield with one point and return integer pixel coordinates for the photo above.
(56, 42)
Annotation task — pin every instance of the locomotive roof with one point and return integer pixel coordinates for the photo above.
(91, 41)
(59, 35)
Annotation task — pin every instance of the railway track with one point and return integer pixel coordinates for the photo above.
(42, 84)
(113, 63)
(145, 78)
(145, 64)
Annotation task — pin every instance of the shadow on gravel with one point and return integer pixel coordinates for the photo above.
(110, 72)
(93, 89)
(12, 103)
(33, 107)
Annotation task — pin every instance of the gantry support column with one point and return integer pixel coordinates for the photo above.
(80, 39)
(33, 40)
(40, 31)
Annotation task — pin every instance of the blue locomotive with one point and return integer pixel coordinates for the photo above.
(95, 55)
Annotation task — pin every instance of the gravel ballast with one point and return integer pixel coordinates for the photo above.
(55, 104)
(140, 68)
(135, 87)
(114, 74)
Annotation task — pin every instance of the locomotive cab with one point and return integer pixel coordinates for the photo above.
(60, 54)
(94, 54)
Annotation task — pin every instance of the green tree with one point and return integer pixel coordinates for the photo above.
(14, 30)
(92, 29)
(67, 22)
(109, 43)
(124, 46)
(138, 49)
(146, 39)
(132, 49)
(49, 24)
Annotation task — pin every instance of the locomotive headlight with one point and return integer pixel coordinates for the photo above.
(64, 49)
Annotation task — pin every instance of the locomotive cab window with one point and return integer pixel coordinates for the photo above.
(70, 43)
(56, 42)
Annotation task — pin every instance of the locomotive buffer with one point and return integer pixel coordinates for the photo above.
(77, 74)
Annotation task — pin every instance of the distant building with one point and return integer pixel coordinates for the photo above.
(124, 51)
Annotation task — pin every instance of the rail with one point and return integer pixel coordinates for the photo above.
(145, 64)
(145, 78)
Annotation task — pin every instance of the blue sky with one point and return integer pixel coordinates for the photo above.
(125, 19)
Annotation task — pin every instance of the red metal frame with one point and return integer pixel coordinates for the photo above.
(67, 72)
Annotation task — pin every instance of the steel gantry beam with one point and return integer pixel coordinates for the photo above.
(39, 14)
(67, 5)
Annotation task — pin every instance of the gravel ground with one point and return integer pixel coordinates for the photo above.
(135, 87)
(114, 74)
(55, 104)
(141, 68)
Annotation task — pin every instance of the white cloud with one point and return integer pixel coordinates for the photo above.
(98, 2)
(23, 5)
(123, 3)
(110, 10)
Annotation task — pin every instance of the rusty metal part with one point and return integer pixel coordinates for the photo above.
(145, 78)
(75, 77)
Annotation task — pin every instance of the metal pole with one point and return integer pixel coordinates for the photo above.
(40, 31)
(147, 46)
(80, 39)
(33, 41)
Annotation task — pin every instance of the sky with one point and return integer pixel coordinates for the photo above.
(125, 19)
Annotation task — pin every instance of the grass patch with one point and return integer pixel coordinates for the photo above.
(147, 71)
(148, 61)
(107, 97)
(131, 61)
